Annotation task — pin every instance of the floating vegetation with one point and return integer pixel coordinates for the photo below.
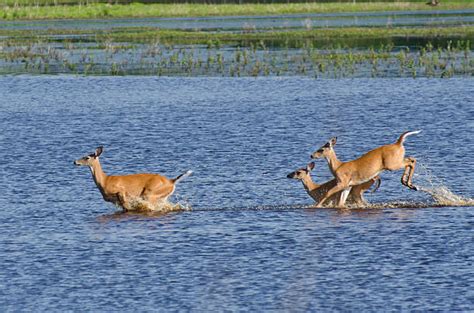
(118, 58)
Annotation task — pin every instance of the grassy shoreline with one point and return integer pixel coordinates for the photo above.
(100, 10)
(147, 35)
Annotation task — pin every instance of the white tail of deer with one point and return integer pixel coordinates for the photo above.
(388, 157)
(121, 189)
(317, 191)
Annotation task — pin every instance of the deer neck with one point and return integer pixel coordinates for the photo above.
(308, 184)
(98, 175)
(333, 161)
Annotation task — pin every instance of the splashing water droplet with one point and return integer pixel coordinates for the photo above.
(438, 190)
(139, 204)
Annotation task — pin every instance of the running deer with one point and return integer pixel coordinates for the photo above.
(327, 151)
(317, 191)
(121, 189)
(389, 157)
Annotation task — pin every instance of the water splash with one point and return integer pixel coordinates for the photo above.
(427, 182)
(445, 197)
(140, 205)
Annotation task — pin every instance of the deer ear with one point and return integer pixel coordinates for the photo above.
(98, 151)
(333, 141)
(310, 166)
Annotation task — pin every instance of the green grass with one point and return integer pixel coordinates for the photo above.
(346, 35)
(100, 10)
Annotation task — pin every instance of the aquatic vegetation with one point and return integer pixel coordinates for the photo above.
(327, 52)
(116, 58)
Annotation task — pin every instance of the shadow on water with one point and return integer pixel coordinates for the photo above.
(132, 216)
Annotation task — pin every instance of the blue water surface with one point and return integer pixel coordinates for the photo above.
(249, 243)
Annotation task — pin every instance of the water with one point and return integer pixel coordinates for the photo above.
(249, 242)
(261, 23)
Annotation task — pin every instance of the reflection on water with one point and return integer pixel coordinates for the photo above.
(252, 240)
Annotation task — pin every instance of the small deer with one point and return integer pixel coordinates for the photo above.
(317, 191)
(348, 174)
(121, 189)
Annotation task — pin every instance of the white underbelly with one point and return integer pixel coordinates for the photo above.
(355, 182)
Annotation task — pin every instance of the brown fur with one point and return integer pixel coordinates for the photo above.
(121, 189)
(317, 191)
(388, 157)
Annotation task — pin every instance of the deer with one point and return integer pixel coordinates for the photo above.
(317, 191)
(389, 157)
(327, 151)
(121, 189)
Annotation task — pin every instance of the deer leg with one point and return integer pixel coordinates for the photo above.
(343, 197)
(330, 192)
(357, 195)
(407, 177)
(410, 175)
(123, 201)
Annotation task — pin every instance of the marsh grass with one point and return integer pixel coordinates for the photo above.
(47, 9)
(111, 58)
(350, 36)
(327, 52)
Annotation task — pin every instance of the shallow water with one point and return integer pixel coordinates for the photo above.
(249, 242)
(239, 23)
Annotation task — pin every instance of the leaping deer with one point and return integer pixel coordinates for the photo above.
(317, 191)
(121, 189)
(348, 174)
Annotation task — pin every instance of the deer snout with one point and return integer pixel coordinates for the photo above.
(316, 155)
(291, 175)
